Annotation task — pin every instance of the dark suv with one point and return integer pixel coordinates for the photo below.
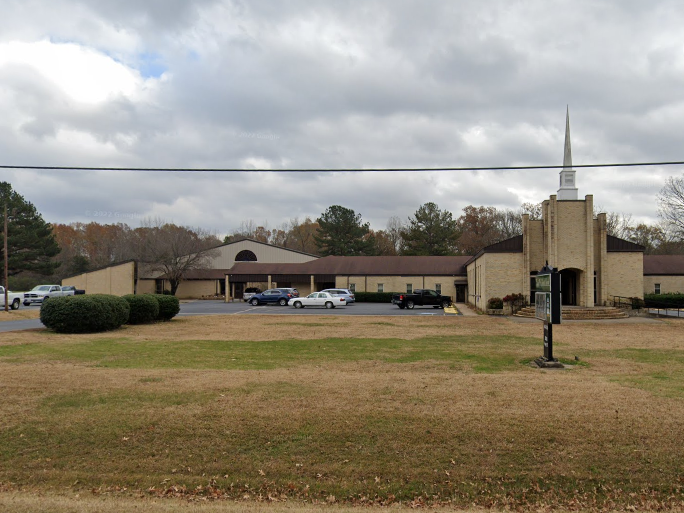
(271, 296)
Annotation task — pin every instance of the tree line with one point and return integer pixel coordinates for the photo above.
(37, 249)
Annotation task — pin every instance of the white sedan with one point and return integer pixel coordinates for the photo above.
(322, 299)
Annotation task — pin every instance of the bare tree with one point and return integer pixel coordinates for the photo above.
(393, 231)
(174, 250)
(534, 209)
(671, 205)
(617, 225)
(509, 223)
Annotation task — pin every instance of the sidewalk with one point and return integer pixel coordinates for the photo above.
(465, 309)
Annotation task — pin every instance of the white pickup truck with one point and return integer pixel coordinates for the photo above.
(13, 298)
(40, 292)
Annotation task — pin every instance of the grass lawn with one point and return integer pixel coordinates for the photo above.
(354, 410)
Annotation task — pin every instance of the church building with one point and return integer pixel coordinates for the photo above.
(594, 265)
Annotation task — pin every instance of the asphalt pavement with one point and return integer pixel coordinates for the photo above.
(211, 307)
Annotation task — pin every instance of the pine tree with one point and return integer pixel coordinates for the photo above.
(431, 232)
(342, 232)
(30, 241)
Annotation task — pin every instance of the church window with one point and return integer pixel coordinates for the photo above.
(381, 287)
(246, 256)
(409, 288)
(657, 288)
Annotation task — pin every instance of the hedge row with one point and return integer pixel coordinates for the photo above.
(373, 297)
(675, 299)
(102, 312)
(84, 314)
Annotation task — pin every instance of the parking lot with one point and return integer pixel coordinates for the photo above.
(240, 308)
(210, 307)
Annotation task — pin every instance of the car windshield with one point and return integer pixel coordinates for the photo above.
(42, 287)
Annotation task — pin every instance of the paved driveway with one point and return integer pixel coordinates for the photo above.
(239, 308)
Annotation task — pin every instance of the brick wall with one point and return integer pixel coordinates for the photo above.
(624, 274)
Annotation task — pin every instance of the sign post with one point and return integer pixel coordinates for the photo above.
(548, 309)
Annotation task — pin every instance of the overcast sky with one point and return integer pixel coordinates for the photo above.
(280, 84)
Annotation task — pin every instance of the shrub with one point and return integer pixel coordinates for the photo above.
(144, 308)
(84, 314)
(169, 306)
(669, 299)
(373, 297)
(495, 303)
(519, 299)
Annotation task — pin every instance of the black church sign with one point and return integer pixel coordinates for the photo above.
(548, 307)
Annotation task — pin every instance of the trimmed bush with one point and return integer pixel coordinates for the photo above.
(672, 299)
(373, 297)
(144, 308)
(169, 306)
(495, 303)
(84, 314)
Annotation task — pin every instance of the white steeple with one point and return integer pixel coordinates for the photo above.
(567, 190)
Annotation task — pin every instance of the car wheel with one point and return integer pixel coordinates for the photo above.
(298, 304)
(282, 302)
(254, 302)
(15, 304)
(445, 304)
(410, 305)
(329, 305)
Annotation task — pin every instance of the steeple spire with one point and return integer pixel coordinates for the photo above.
(567, 155)
(567, 190)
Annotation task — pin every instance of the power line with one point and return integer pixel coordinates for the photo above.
(340, 170)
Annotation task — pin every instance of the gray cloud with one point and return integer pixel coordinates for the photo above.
(343, 84)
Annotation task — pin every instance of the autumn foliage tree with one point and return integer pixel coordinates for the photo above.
(477, 228)
(173, 250)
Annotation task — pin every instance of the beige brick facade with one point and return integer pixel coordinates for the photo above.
(494, 275)
(118, 280)
(569, 238)
(624, 274)
(668, 284)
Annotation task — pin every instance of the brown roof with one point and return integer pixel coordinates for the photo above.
(512, 245)
(672, 265)
(362, 265)
(614, 244)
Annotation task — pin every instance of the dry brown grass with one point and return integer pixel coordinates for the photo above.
(19, 315)
(358, 429)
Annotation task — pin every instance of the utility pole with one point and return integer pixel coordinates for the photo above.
(6, 265)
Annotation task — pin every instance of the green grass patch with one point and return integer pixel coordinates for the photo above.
(479, 353)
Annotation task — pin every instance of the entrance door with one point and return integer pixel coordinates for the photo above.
(568, 287)
(460, 293)
(239, 290)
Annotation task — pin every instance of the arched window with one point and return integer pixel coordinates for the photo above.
(245, 256)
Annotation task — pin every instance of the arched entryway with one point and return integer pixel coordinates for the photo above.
(569, 286)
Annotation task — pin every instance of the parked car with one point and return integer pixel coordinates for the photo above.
(272, 296)
(347, 294)
(77, 292)
(41, 292)
(249, 293)
(294, 292)
(320, 299)
(13, 298)
(421, 297)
